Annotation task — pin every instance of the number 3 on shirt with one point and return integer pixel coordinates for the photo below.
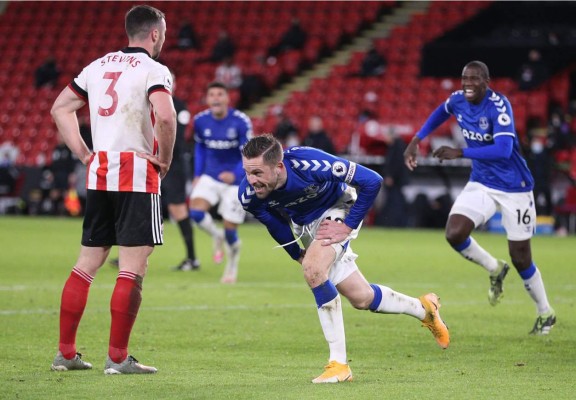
(106, 112)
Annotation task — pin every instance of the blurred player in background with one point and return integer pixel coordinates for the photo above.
(131, 155)
(312, 188)
(174, 185)
(500, 180)
(220, 132)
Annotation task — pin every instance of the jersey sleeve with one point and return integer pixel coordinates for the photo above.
(502, 116)
(199, 148)
(80, 85)
(246, 131)
(197, 130)
(159, 79)
(501, 149)
(437, 118)
(325, 167)
(368, 183)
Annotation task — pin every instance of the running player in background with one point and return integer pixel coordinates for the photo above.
(500, 180)
(132, 152)
(312, 188)
(220, 132)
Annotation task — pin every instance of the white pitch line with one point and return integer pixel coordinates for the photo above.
(155, 286)
(258, 285)
(200, 307)
(245, 307)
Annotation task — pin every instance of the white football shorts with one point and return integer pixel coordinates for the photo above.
(479, 203)
(345, 263)
(226, 196)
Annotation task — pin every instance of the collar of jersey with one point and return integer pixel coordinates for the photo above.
(135, 50)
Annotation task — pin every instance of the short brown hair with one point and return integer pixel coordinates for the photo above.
(266, 146)
(140, 20)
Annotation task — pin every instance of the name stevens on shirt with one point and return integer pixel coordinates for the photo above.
(133, 61)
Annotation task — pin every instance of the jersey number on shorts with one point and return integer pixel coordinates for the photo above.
(523, 218)
(106, 112)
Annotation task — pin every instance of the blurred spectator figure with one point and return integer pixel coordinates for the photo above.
(251, 90)
(317, 136)
(62, 169)
(395, 174)
(224, 47)
(187, 38)
(285, 130)
(229, 74)
(8, 153)
(8, 172)
(373, 64)
(540, 161)
(533, 72)
(293, 39)
(47, 74)
(559, 131)
(553, 38)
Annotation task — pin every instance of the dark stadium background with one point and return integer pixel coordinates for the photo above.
(425, 44)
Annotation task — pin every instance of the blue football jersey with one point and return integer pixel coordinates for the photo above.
(219, 142)
(480, 124)
(315, 182)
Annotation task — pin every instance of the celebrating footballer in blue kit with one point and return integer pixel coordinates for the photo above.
(316, 191)
(500, 180)
(219, 134)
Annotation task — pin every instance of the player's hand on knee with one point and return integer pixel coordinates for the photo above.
(332, 231)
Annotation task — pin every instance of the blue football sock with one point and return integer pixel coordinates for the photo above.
(324, 293)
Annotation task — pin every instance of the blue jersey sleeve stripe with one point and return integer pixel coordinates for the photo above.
(505, 134)
(369, 183)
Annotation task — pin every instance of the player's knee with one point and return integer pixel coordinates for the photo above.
(312, 275)
(455, 236)
(197, 215)
(521, 261)
(521, 255)
(360, 304)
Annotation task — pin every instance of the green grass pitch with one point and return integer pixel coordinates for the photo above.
(261, 339)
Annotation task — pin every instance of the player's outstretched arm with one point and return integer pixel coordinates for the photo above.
(437, 118)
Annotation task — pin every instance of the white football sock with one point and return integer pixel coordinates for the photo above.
(398, 303)
(478, 255)
(233, 256)
(535, 288)
(207, 224)
(332, 322)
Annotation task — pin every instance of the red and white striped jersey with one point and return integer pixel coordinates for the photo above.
(117, 87)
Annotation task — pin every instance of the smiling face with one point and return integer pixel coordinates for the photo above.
(264, 178)
(218, 100)
(474, 84)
